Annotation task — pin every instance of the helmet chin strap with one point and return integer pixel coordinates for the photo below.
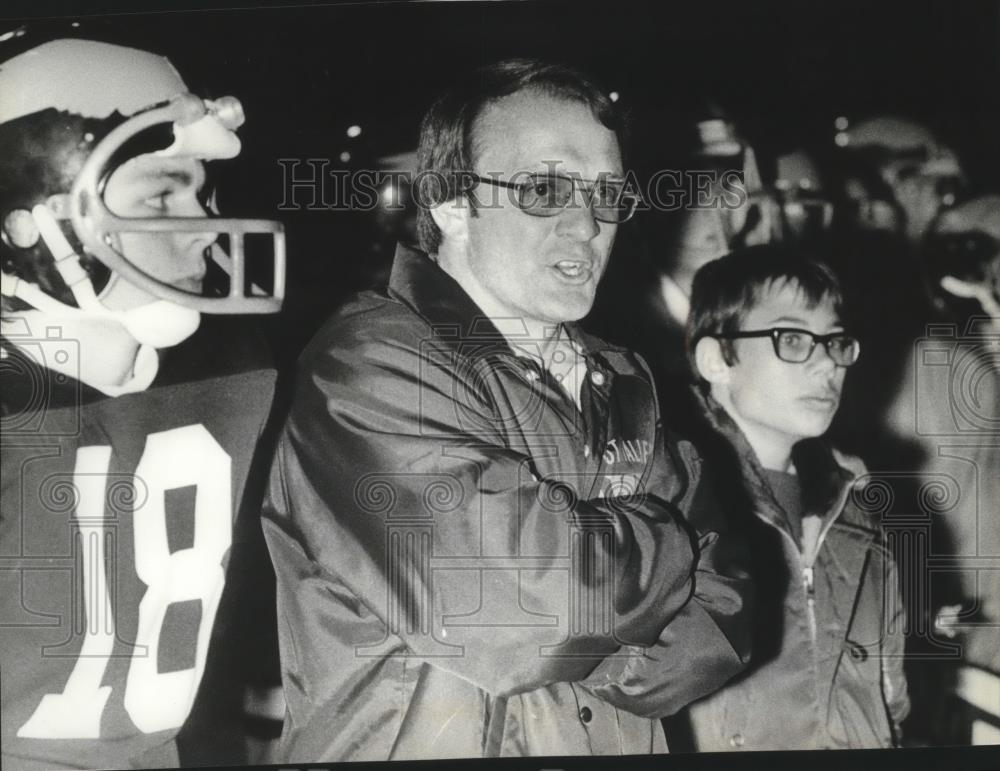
(160, 324)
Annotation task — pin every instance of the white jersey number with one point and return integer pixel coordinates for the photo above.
(155, 701)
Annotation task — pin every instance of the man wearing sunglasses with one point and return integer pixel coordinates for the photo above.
(476, 532)
(766, 337)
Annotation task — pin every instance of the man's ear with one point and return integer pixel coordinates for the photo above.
(452, 217)
(710, 361)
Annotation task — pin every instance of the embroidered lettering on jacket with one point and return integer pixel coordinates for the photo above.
(627, 451)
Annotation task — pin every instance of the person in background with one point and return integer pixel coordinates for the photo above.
(920, 175)
(696, 213)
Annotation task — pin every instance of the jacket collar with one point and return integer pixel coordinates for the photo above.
(417, 281)
(824, 480)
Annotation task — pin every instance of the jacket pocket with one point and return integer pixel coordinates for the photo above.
(858, 717)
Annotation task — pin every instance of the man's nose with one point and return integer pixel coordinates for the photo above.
(577, 220)
(196, 239)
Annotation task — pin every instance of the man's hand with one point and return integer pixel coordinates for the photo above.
(946, 621)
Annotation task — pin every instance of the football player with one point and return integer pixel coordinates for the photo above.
(126, 446)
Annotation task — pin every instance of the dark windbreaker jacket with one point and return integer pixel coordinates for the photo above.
(828, 648)
(468, 564)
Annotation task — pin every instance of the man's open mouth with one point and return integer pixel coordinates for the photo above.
(573, 270)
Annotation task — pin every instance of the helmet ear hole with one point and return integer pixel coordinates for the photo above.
(20, 230)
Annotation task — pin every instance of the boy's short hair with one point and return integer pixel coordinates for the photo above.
(725, 290)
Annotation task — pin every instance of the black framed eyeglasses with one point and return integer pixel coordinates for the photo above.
(797, 345)
(546, 195)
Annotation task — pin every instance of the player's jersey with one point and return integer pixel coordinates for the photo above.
(116, 525)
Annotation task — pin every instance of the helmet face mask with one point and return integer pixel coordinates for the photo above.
(68, 147)
(202, 132)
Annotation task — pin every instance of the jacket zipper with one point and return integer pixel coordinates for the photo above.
(807, 579)
(807, 568)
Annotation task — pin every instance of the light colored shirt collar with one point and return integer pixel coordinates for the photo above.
(566, 361)
(678, 304)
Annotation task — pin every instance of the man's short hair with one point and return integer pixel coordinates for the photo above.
(725, 290)
(448, 147)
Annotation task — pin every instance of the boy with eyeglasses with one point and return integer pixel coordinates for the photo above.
(766, 338)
